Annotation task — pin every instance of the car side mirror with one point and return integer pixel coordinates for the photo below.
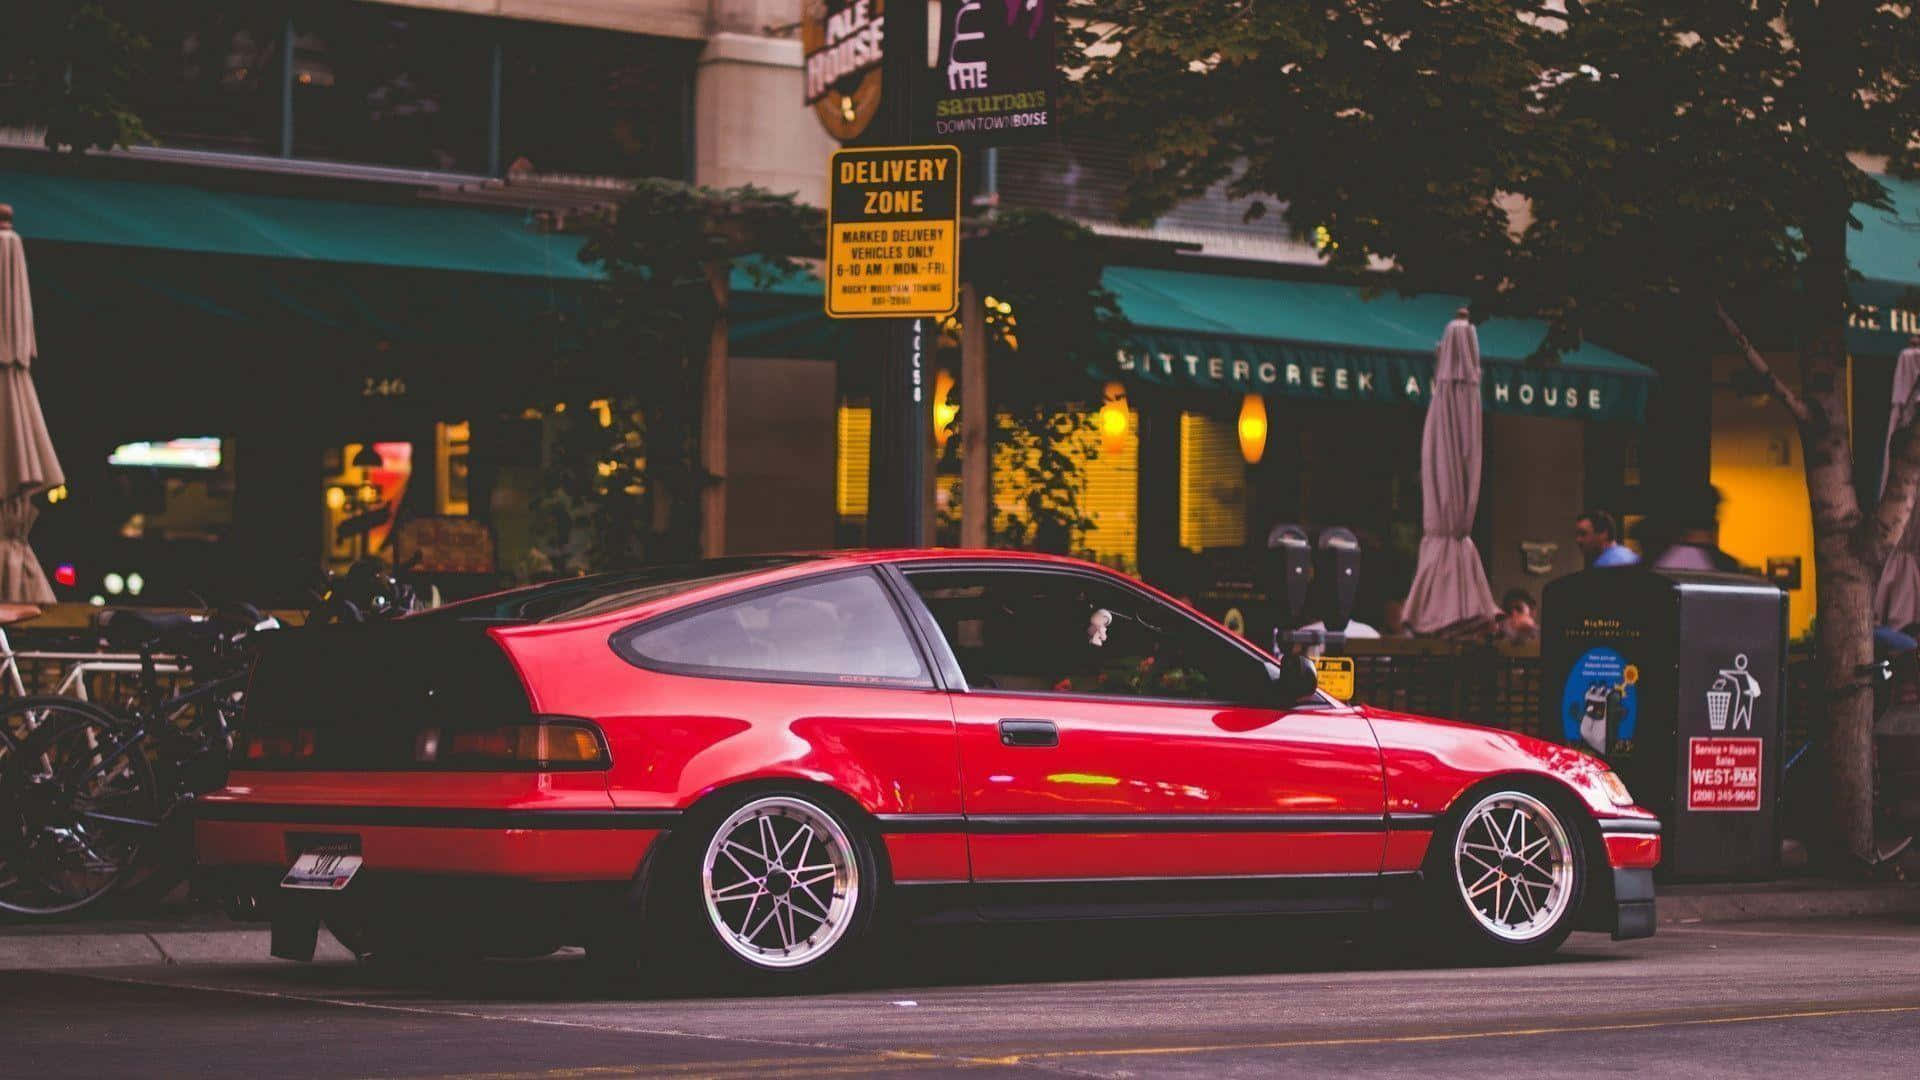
(1294, 680)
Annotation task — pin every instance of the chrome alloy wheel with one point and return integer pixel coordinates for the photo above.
(1514, 866)
(780, 882)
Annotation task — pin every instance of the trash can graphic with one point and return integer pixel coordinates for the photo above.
(1677, 680)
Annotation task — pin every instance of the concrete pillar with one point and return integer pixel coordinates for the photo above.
(750, 124)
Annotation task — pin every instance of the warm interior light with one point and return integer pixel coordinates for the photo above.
(1253, 428)
(1112, 419)
(336, 498)
(944, 410)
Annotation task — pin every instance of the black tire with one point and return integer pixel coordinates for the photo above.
(803, 923)
(1500, 907)
(68, 839)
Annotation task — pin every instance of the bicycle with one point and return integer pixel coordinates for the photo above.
(87, 796)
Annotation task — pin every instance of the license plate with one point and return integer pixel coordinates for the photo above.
(327, 871)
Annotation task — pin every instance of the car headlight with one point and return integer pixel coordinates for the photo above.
(1615, 788)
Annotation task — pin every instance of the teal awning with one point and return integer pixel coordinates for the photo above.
(311, 242)
(184, 217)
(1330, 342)
(1886, 252)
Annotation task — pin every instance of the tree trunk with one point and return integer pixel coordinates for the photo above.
(1844, 625)
(1845, 562)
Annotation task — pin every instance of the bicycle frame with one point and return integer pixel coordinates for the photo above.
(73, 680)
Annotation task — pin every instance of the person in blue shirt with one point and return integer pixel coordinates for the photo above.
(1595, 535)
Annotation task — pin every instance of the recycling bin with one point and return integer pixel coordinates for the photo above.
(1678, 680)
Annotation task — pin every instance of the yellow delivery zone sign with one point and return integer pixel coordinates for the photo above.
(893, 232)
(1336, 675)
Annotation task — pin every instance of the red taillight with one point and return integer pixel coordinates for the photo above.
(294, 745)
(539, 744)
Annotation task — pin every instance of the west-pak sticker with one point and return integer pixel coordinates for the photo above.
(1723, 774)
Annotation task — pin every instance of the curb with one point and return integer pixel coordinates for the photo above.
(1737, 903)
(57, 951)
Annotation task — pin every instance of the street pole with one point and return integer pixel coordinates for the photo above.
(901, 348)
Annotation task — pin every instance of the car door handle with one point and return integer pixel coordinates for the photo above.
(1029, 733)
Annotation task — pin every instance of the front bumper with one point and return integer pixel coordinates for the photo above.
(1625, 896)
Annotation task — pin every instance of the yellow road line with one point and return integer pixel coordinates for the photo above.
(760, 1069)
(1458, 1036)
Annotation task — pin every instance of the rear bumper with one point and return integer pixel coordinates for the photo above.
(523, 845)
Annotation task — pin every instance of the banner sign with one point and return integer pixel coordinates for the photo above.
(893, 232)
(997, 80)
(1331, 373)
(844, 44)
(1883, 318)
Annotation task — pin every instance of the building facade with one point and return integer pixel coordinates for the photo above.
(323, 297)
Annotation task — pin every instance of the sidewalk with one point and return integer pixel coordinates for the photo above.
(176, 933)
(182, 933)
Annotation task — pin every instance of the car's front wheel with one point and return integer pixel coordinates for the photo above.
(778, 886)
(1508, 872)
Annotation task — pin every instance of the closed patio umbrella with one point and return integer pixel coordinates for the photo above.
(28, 464)
(1896, 599)
(1449, 584)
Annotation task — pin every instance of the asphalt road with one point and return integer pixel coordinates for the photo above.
(1833, 999)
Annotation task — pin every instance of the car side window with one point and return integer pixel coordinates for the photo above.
(841, 629)
(1034, 631)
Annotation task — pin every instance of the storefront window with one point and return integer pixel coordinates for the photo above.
(392, 86)
(453, 442)
(362, 494)
(1213, 484)
(212, 80)
(853, 439)
(585, 101)
(1112, 500)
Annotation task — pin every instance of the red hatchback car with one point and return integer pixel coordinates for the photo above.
(760, 758)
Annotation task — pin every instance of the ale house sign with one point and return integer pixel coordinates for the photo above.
(844, 44)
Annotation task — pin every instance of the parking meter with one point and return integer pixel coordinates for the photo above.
(1290, 566)
(1339, 560)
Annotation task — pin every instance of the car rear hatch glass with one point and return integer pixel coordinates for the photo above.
(364, 697)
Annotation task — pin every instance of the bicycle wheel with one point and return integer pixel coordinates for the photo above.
(77, 805)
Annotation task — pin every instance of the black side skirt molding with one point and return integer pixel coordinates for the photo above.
(442, 817)
(1055, 824)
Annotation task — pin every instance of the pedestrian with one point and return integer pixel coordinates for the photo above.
(1595, 534)
(1696, 536)
(1519, 619)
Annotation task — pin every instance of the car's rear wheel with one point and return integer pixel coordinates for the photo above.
(777, 886)
(1508, 872)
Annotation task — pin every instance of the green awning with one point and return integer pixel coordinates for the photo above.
(183, 217)
(503, 282)
(1886, 252)
(1329, 342)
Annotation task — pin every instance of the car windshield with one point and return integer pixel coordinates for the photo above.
(594, 594)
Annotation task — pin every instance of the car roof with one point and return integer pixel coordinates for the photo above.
(622, 596)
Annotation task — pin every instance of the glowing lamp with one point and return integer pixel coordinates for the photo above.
(336, 498)
(944, 410)
(65, 574)
(1112, 419)
(1253, 428)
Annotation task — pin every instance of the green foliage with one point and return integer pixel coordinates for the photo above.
(68, 66)
(1663, 154)
(590, 513)
(1034, 454)
(668, 252)
(1057, 321)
